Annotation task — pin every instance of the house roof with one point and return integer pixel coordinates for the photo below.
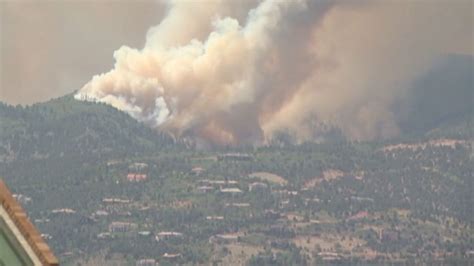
(231, 190)
(14, 219)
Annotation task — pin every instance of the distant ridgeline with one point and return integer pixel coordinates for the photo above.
(440, 105)
(441, 102)
(66, 127)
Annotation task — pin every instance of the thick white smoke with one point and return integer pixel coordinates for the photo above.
(286, 65)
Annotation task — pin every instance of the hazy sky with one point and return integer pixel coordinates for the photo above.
(49, 48)
(287, 67)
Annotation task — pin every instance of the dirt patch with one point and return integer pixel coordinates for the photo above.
(239, 254)
(181, 204)
(269, 177)
(328, 175)
(451, 143)
(333, 243)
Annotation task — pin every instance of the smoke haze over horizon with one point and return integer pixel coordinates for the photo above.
(51, 48)
(232, 73)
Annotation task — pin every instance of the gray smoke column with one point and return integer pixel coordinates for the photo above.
(234, 74)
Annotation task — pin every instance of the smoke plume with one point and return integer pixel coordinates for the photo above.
(239, 73)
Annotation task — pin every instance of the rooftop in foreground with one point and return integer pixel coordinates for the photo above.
(20, 241)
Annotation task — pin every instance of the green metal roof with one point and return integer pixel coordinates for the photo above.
(20, 242)
(11, 252)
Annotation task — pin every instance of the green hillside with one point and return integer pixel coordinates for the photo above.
(408, 200)
(67, 127)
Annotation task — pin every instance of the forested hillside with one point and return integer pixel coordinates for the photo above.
(105, 189)
(66, 127)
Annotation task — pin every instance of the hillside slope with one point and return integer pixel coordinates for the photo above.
(66, 127)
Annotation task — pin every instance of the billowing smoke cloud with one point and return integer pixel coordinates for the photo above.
(240, 73)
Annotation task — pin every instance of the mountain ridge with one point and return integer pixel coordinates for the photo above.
(440, 106)
(64, 126)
